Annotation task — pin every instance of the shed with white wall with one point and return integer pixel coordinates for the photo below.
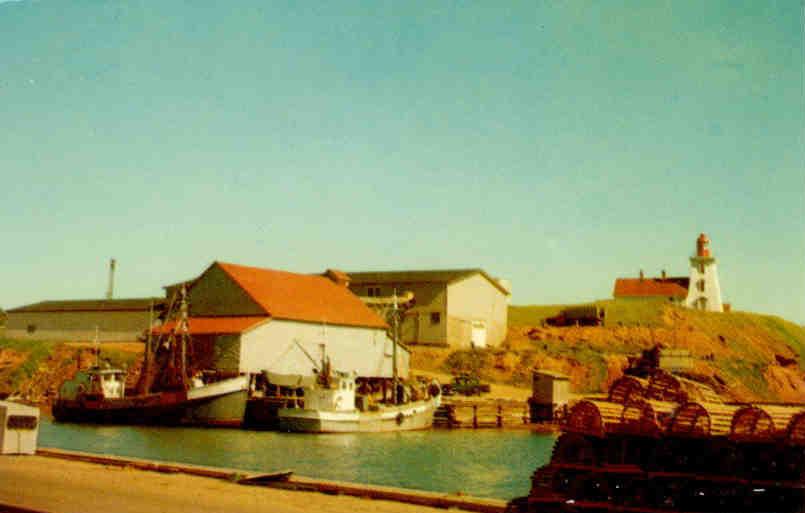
(19, 428)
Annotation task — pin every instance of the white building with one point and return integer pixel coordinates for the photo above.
(704, 292)
(248, 319)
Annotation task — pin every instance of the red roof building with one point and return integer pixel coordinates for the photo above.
(252, 319)
(302, 297)
(673, 288)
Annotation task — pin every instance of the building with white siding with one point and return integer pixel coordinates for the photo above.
(460, 308)
(248, 320)
(704, 292)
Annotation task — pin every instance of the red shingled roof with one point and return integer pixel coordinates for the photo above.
(302, 297)
(646, 287)
(214, 325)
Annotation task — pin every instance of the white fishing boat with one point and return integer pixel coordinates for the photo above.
(334, 402)
(333, 406)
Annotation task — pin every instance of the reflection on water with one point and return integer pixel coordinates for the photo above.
(485, 463)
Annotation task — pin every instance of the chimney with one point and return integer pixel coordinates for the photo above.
(664, 276)
(338, 277)
(641, 275)
(110, 290)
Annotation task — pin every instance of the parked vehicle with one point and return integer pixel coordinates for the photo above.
(585, 315)
(465, 384)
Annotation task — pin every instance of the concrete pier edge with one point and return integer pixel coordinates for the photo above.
(290, 482)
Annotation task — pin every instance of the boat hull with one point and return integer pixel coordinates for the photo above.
(406, 417)
(220, 404)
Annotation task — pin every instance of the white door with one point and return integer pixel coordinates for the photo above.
(478, 337)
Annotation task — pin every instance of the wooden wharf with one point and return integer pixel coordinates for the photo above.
(480, 414)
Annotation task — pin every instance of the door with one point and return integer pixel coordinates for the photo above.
(478, 336)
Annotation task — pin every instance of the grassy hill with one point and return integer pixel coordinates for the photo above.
(747, 356)
(34, 369)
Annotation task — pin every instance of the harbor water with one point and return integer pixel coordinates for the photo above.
(484, 463)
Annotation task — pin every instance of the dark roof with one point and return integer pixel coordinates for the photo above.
(92, 305)
(647, 287)
(428, 276)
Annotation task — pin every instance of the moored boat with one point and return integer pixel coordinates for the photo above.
(166, 395)
(98, 396)
(332, 406)
(334, 402)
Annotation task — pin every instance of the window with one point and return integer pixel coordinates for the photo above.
(31, 328)
(21, 422)
(701, 267)
(435, 317)
(373, 292)
(700, 285)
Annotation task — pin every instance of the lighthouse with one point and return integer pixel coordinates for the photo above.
(704, 292)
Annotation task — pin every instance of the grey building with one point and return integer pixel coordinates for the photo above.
(76, 319)
(457, 307)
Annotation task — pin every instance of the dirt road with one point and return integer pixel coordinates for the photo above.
(60, 486)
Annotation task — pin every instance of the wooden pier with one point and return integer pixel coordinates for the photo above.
(480, 414)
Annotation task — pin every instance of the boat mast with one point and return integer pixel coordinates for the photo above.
(394, 335)
(146, 369)
(183, 337)
(97, 348)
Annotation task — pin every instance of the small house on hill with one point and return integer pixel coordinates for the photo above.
(674, 289)
(75, 320)
(458, 308)
(249, 319)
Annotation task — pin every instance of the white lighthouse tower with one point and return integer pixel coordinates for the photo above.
(704, 292)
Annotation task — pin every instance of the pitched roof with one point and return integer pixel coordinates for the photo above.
(647, 287)
(302, 297)
(214, 325)
(424, 276)
(92, 305)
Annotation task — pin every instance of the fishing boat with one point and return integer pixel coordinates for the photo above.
(97, 395)
(168, 396)
(334, 405)
(340, 402)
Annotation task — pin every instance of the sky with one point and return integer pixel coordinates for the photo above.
(559, 145)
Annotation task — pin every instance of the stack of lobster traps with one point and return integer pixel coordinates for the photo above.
(652, 447)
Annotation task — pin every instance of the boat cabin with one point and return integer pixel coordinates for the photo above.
(97, 382)
(340, 396)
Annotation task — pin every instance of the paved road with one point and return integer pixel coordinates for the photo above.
(60, 486)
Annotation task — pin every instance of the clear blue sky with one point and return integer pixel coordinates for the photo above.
(556, 144)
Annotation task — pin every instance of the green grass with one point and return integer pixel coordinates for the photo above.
(118, 358)
(532, 315)
(35, 350)
(790, 333)
(626, 312)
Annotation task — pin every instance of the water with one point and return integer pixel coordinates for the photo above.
(485, 463)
